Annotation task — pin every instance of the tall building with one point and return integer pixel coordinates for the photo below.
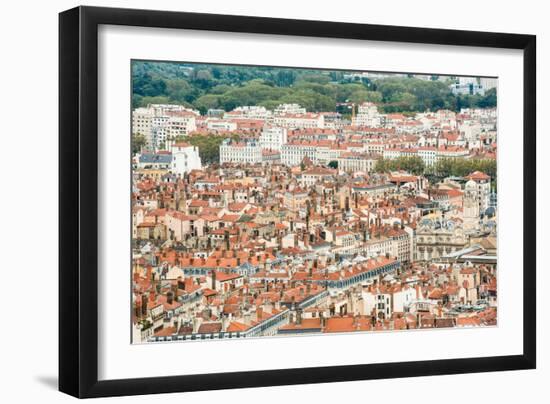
(292, 154)
(142, 123)
(483, 188)
(273, 138)
(367, 115)
(181, 123)
(185, 158)
(471, 206)
(159, 123)
(488, 82)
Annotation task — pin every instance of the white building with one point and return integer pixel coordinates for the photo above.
(159, 122)
(181, 123)
(240, 152)
(367, 115)
(428, 154)
(327, 153)
(488, 83)
(390, 154)
(299, 121)
(248, 112)
(379, 245)
(292, 154)
(289, 109)
(403, 297)
(375, 147)
(273, 138)
(467, 89)
(471, 206)
(159, 132)
(163, 109)
(310, 177)
(141, 123)
(221, 125)
(470, 130)
(483, 189)
(353, 162)
(449, 152)
(185, 158)
(377, 301)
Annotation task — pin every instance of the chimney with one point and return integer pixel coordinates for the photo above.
(226, 240)
(246, 318)
(298, 316)
(175, 291)
(143, 305)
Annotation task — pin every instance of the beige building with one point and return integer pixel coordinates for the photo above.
(353, 162)
(436, 238)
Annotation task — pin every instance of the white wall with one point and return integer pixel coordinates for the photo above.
(29, 77)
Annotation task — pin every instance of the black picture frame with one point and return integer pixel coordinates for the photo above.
(78, 201)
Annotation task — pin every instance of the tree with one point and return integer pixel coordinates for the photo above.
(208, 145)
(285, 78)
(181, 90)
(187, 84)
(202, 78)
(444, 167)
(333, 164)
(159, 99)
(462, 167)
(146, 85)
(413, 164)
(361, 96)
(206, 102)
(317, 78)
(138, 142)
(489, 100)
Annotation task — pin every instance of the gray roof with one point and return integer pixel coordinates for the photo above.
(152, 158)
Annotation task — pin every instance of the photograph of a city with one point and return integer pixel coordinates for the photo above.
(279, 202)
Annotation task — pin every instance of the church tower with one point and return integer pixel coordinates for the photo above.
(471, 206)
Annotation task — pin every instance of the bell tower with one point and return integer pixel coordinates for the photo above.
(471, 206)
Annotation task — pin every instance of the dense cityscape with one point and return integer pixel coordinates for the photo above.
(283, 218)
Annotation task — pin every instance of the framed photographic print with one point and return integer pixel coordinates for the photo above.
(250, 201)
